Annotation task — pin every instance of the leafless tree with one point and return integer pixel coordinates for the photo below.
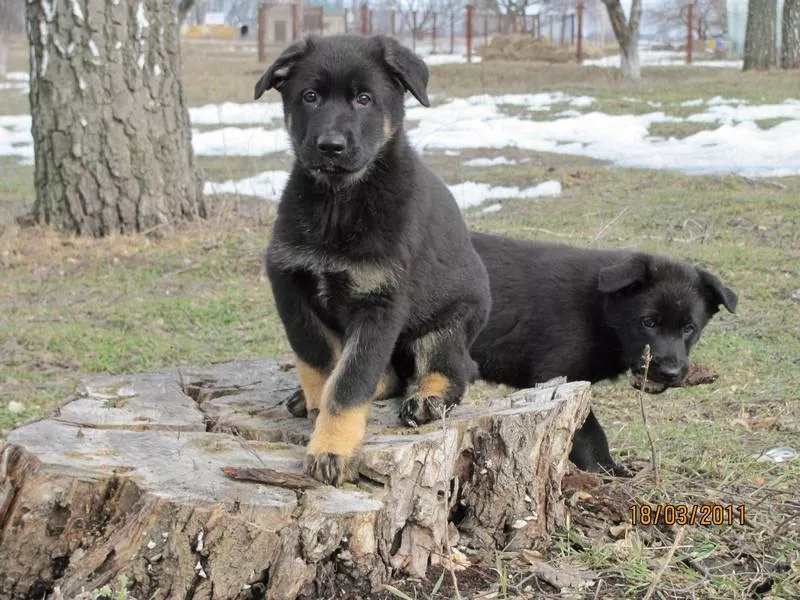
(759, 41)
(110, 126)
(790, 35)
(627, 33)
(710, 18)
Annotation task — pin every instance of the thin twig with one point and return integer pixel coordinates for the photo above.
(450, 565)
(608, 225)
(678, 539)
(647, 358)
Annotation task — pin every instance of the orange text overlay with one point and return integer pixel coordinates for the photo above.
(688, 514)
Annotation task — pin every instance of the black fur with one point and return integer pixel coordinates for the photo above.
(368, 243)
(587, 315)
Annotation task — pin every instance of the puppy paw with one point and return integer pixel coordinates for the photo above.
(332, 469)
(296, 404)
(418, 410)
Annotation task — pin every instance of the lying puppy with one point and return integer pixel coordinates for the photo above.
(588, 315)
(370, 262)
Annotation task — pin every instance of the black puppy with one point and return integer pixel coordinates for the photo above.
(370, 262)
(588, 315)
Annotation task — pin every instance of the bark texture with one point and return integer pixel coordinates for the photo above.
(790, 35)
(127, 479)
(110, 126)
(759, 41)
(627, 34)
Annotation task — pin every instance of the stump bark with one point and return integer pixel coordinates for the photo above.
(127, 479)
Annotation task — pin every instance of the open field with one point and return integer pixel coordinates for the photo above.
(70, 307)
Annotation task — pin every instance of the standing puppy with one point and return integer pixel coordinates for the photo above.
(370, 262)
(588, 315)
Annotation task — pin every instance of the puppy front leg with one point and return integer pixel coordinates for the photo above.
(316, 347)
(359, 376)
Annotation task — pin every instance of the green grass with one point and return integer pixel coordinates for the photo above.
(72, 307)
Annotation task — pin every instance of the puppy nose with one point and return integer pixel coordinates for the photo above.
(671, 372)
(331, 144)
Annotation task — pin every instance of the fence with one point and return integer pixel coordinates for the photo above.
(434, 32)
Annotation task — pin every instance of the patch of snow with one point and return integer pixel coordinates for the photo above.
(470, 193)
(662, 58)
(231, 113)
(18, 76)
(268, 185)
(725, 113)
(489, 162)
(235, 141)
(492, 208)
(448, 59)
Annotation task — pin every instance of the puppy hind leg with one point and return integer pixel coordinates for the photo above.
(442, 376)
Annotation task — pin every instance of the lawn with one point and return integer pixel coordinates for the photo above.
(197, 294)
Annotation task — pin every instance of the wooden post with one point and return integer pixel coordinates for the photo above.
(452, 32)
(564, 30)
(689, 36)
(470, 9)
(262, 33)
(433, 35)
(369, 22)
(580, 32)
(486, 28)
(295, 22)
(364, 19)
(550, 36)
(413, 31)
(391, 22)
(345, 21)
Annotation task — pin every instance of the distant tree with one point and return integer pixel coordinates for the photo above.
(710, 18)
(110, 127)
(759, 41)
(11, 19)
(790, 35)
(627, 34)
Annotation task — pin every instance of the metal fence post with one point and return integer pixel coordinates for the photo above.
(262, 33)
(470, 9)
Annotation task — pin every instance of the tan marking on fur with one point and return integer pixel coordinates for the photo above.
(313, 382)
(341, 434)
(387, 385)
(433, 384)
(423, 347)
(366, 278)
(388, 130)
(289, 123)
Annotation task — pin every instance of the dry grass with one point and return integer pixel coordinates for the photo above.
(196, 294)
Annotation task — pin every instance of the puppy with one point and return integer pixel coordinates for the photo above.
(588, 315)
(370, 262)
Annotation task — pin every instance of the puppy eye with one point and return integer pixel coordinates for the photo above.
(310, 96)
(364, 99)
(688, 328)
(648, 322)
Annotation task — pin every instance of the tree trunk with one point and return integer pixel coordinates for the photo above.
(759, 42)
(111, 131)
(627, 34)
(129, 479)
(790, 35)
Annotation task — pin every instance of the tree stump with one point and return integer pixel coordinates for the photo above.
(127, 478)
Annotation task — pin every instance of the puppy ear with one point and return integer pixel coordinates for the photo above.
(623, 274)
(278, 72)
(716, 293)
(409, 69)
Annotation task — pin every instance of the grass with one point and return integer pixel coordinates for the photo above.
(72, 307)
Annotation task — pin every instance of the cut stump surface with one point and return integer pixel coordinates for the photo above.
(127, 478)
